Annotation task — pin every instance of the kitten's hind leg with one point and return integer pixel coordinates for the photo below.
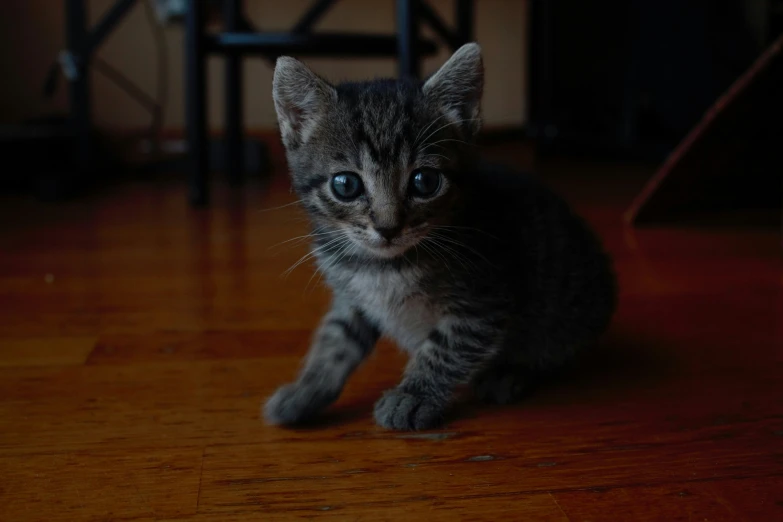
(343, 340)
(505, 383)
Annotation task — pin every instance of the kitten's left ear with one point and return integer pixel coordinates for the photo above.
(458, 85)
(301, 99)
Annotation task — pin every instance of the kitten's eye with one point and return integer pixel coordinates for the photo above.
(347, 186)
(425, 182)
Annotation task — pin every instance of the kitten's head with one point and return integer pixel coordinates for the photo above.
(380, 160)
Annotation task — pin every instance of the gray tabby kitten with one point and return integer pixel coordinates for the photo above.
(483, 276)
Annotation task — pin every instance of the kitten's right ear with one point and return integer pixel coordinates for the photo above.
(457, 87)
(301, 99)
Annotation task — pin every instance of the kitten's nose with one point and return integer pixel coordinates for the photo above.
(388, 233)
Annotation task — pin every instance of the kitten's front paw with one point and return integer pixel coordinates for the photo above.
(296, 402)
(398, 410)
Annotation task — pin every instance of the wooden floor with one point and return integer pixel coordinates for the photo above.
(138, 338)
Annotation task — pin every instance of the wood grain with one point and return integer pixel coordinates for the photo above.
(139, 337)
(46, 351)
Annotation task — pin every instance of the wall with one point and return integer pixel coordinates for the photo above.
(31, 34)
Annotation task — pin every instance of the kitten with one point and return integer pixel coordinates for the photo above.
(482, 275)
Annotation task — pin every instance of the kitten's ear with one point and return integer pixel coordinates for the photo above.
(458, 85)
(301, 99)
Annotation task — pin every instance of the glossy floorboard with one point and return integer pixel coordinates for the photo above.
(139, 336)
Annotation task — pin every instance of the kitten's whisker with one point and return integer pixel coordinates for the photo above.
(460, 244)
(331, 262)
(435, 143)
(463, 258)
(431, 250)
(344, 253)
(281, 206)
(438, 252)
(448, 241)
(423, 246)
(428, 127)
(298, 219)
(439, 156)
(460, 228)
(404, 257)
(313, 253)
(447, 125)
(299, 239)
(354, 249)
(453, 253)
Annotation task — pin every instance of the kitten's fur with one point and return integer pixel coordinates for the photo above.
(493, 281)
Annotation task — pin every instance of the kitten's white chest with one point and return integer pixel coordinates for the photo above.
(394, 301)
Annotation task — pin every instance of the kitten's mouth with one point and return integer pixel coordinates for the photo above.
(385, 250)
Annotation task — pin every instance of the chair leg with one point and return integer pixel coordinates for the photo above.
(233, 98)
(195, 103)
(407, 39)
(79, 88)
(464, 18)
